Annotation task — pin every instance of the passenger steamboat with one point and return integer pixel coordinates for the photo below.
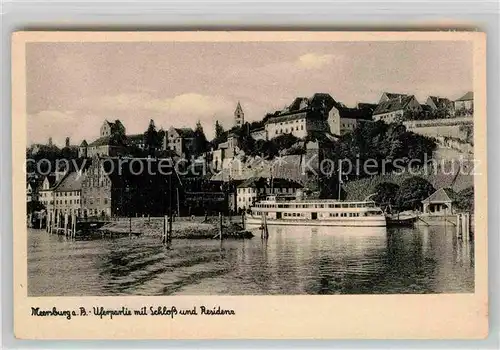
(287, 210)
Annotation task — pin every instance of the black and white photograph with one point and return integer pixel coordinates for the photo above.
(250, 168)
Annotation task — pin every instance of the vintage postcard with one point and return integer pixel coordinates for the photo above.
(218, 185)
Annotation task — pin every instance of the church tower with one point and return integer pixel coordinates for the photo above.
(239, 116)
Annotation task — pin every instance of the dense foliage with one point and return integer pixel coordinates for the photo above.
(153, 139)
(465, 199)
(386, 193)
(375, 148)
(200, 143)
(411, 193)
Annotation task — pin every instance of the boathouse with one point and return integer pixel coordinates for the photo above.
(440, 202)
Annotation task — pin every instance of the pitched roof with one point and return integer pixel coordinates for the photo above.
(51, 178)
(444, 194)
(393, 95)
(185, 132)
(261, 182)
(84, 143)
(393, 105)
(136, 138)
(71, 182)
(467, 97)
(440, 102)
(101, 141)
(238, 108)
(355, 113)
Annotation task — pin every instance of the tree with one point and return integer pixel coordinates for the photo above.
(152, 139)
(385, 193)
(219, 130)
(200, 143)
(118, 137)
(33, 206)
(220, 135)
(412, 191)
(285, 141)
(465, 199)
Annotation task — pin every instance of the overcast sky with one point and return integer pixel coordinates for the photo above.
(73, 87)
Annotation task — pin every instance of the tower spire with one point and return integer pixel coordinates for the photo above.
(239, 116)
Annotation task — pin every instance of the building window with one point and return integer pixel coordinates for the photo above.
(302, 127)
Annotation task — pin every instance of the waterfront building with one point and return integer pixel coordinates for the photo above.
(119, 186)
(440, 202)
(67, 194)
(249, 191)
(46, 191)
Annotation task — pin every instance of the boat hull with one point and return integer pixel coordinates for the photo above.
(253, 222)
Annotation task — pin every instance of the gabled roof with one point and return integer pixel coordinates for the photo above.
(101, 141)
(84, 143)
(51, 178)
(440, 102)
(185, 132)
(393, 105)
(467, 97)
(109, 123)
(393, 95)
(71, 182)
(261, 182)
(136, 137)
(444, 194)
(355, 113)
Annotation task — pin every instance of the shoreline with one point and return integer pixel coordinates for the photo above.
(182, 228)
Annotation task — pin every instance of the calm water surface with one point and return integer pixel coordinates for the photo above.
(295, 260)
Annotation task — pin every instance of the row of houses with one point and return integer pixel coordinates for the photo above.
(113, 186)
(396, 107)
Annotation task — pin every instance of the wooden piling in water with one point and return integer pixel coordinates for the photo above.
(164, 235)
(220, 226)
(66, 224)
(170, 228)
(73, 220)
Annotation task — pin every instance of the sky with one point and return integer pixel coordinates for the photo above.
(73, 87)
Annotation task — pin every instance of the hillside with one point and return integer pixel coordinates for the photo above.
(360, 189)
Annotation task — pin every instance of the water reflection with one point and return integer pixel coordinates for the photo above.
(293, 260)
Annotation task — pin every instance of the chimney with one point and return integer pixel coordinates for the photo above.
(399, 98)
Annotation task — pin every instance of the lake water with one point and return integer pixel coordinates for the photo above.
(294, 260)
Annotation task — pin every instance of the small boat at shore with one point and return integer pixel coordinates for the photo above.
(287, 210)
(404, 219)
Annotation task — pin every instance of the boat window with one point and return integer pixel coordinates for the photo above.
(345, 205)
(360, 205)
(352, 205)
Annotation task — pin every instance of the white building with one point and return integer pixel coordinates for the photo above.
(395, 109)
(303, 116)
(67, 194)
(46, 192)
(256, 187)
